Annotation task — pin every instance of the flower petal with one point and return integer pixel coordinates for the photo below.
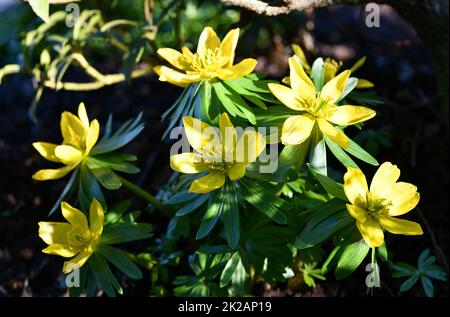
(236, 171)
(78, 261)
(363, 83)
(241, 69)
(73, 130)
(92, 135)
(187, 53)
(47, 150)
(384, 179)
(174, 77)
(96, 218)
(249, 146)
(228, 137)
(47, 174)
(371, 232)
(355, 185)
(301, 56)
(54, 232)
(300, 82)
(68, 154)
(349, 115)
(400, 226)
(175, 58)
(333, 133)
(201, 136)
(228, 45)
(63, 250)
(404, 197)
(357, 212)
(208, 40)
(74, 216)
(287, 96)
(334, 88)
(297, 129)
(82, 114)
(188, 163)
(207, 183)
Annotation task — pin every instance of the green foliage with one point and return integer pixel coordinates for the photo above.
(425, 271)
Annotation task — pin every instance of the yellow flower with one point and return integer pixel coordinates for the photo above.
(218, 152)
(331, 67)
(73, 239)
(212, 59)
(79, 137)
(317, 109)
(374, 209)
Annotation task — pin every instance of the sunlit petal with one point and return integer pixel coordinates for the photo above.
(189, 163)
(371, 232)
(355, 185)
(47, 150)
(287, 96)
(175, 58)
(241, 69)
(404, 197)
(73, 130)
(207, 183)
(96, 218)
(334, 88)
(349, 115)
(74, 216)
(336, 135)
(92, 135)
(47, 174)
(249, 147)
(300, 81)
(228, 45)
(54, 232)
(68, 154)
(208, 40)
(201, 136)
(82, 114)
(357, 212)
(63, 250)
(78, 261)
(400, 226)
(297, 129)
(384, 179)
(236, 171)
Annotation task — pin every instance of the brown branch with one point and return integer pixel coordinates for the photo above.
(262, 7)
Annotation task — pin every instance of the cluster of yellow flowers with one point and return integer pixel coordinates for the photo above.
(217, 152)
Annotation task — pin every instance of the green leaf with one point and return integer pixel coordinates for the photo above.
(230, 213)
(352, 256)
(107, 178)
(181, 197)
(264, 200)
(401, 269)
(69, 186)
(349, 86)
(120, 260)
(357, 151)
(339, 153)
(423, 256)
(116, 212)
(333, 188)
(233, 103)
(41, 8)
(318, 151)
(329, 218)
(212, 214)
(382, 252)
(294, 154)
(318, 73)
(427, 285)
(192, 205)
(332, 259)
(112, 162)
(125, 232)
(229, 269)
(103, 275)
(409, 283)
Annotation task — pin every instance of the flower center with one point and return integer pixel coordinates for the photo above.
(209, 62)
(375, 205)
(316, 107)
(78, 239)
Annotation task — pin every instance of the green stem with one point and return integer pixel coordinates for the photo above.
(146, 196)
